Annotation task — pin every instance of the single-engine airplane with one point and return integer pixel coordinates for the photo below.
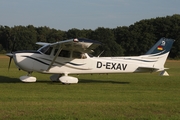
(73, 57)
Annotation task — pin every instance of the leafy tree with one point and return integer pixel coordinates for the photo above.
(5, 34)
(106, 36)
(76, 33)
(25, 37)
(135, 39)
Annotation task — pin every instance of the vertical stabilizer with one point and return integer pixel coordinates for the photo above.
(160, 52)
(161, 47)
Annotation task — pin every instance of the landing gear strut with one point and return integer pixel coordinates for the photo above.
(55, 77)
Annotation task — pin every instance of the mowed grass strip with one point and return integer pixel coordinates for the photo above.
(113, 96)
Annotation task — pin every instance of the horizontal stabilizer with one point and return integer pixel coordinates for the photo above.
(147, 69)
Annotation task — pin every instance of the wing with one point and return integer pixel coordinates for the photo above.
(151, 69)
(42, 43)
(82, 45)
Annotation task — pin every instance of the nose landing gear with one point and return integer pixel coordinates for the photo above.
(28, 78)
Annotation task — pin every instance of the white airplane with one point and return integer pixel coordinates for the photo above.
(73, 57)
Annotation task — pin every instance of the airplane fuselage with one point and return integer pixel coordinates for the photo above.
(35, 61)
(71, 57)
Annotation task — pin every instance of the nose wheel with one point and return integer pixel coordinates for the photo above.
(28, 78)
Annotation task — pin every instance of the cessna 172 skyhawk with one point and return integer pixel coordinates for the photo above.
(72, 57)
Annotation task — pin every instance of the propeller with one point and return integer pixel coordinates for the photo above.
(11, 56)
(11, 53)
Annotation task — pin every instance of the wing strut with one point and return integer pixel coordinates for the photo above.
(57, 53)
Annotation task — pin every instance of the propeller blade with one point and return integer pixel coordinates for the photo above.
(9, 63)
(11, 56)
(11, 53)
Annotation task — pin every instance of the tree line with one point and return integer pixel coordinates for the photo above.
(131, 40)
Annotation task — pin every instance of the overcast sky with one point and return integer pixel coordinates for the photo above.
(87, 14)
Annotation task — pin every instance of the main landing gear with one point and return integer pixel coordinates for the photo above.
(65, 79)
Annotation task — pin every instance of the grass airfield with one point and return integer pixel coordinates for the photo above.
(96, 97)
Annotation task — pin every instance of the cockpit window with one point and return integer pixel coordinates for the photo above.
(46, 50)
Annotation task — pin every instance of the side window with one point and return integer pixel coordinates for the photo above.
(63, 53)
(78, 55)
(83, 56)
(55, 51)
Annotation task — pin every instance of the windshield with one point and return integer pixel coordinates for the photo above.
(46, 50)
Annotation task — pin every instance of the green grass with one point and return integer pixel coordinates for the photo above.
(114, 96)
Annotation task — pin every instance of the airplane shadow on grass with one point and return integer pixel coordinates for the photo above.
(5, 79)
(85, 81)
(102, 81)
